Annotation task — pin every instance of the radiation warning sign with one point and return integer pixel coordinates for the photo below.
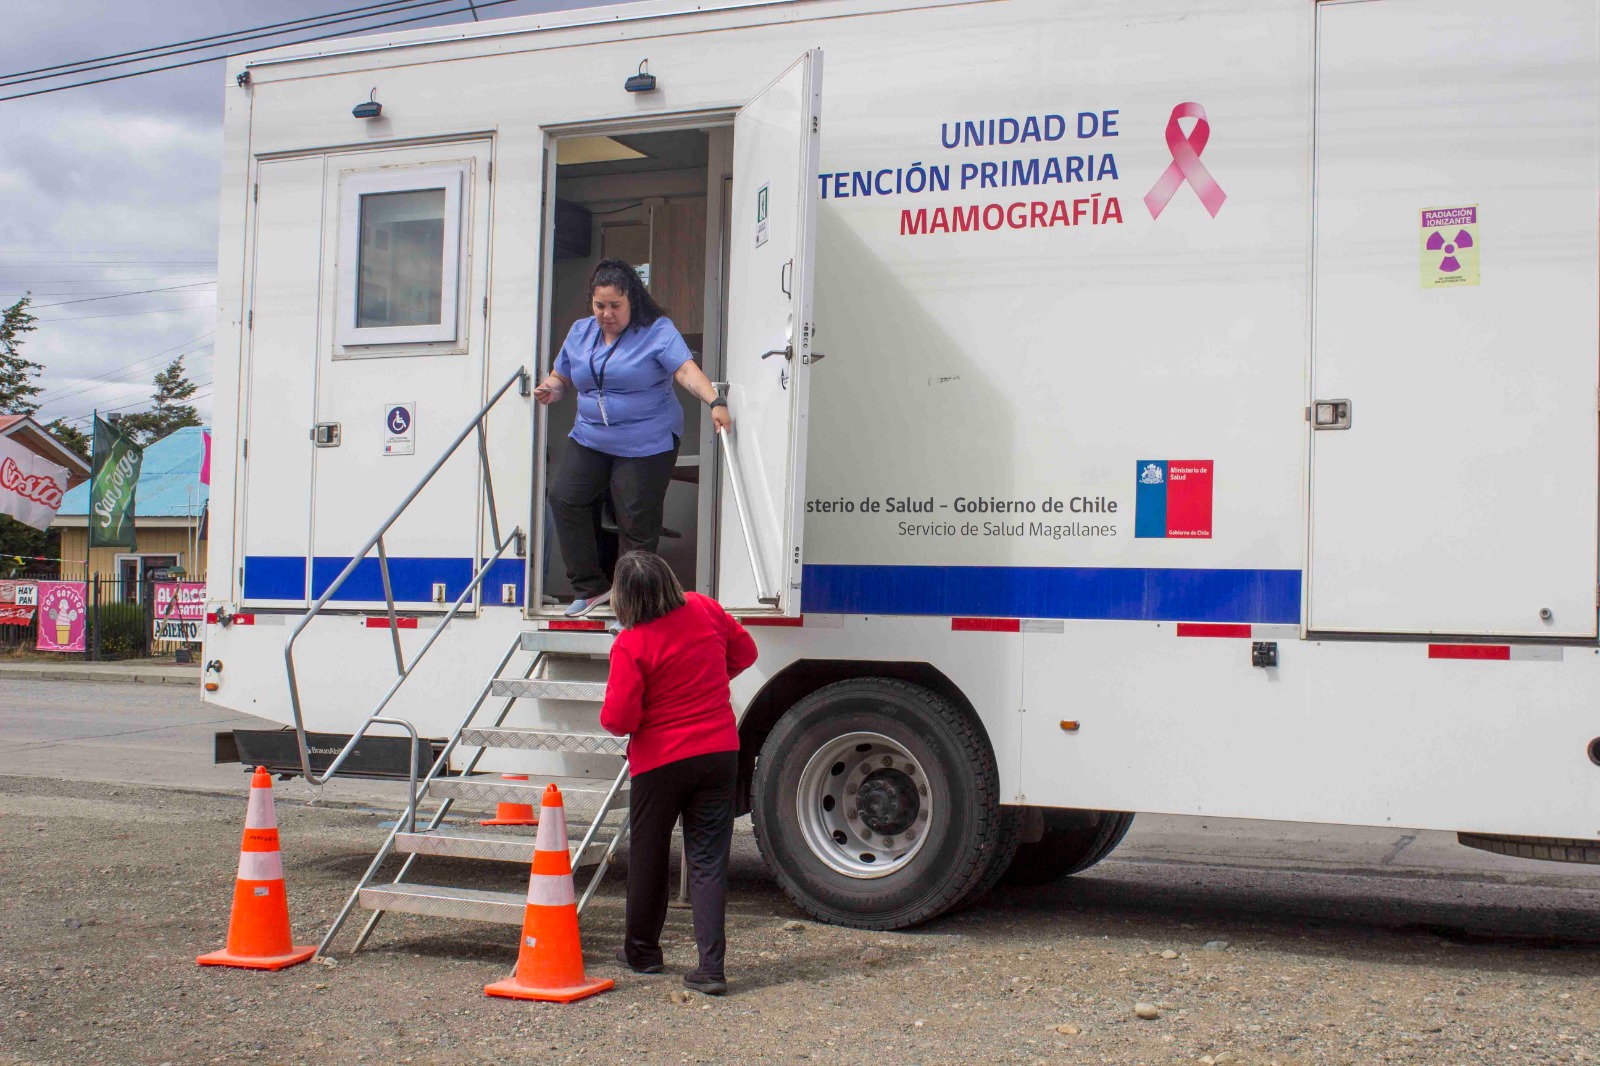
(1449, 247)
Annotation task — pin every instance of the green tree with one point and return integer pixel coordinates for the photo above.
(169, 411)
(17, 372)
(17, 392)
(74, 438)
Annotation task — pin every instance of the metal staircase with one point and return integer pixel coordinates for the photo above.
(548, 715)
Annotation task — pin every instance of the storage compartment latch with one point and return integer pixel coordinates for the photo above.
(1330, 414)
(325, 434)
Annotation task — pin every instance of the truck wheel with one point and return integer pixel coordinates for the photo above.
(876, 804)
(1073, 841)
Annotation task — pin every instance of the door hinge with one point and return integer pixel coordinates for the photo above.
(241, 579)
(246, 450)
(250, 319)
(816, 123)
(485, 307)
(488, 172)
(255, 193)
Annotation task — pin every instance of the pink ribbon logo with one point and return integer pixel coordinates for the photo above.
(1186, 165)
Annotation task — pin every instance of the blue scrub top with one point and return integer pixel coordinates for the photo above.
(642, 414)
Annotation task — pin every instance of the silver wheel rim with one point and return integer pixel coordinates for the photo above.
(864, 805)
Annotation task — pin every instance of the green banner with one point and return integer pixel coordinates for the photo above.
(111, 488)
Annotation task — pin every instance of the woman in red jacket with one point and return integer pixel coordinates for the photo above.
(668, 691)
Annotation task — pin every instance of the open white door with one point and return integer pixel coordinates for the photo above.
(767, 357)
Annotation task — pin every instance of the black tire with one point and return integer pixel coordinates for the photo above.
(1073, 841)
(960, 841)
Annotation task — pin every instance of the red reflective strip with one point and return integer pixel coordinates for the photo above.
(244, 619)
(1212, 629)
(1469, 651)
(576, 624)
(769, 621)
(211, 618)
(986, 625)
(382, 622)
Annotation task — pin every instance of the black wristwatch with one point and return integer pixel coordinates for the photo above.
(719, 402)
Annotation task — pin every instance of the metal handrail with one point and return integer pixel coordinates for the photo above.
(404, 670)
(744, 517)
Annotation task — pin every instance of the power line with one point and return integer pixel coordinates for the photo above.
(217, 39)
(79, 259)
(480, 5)
(127, 314)
(83, 386)
(91, 298)
(202, 391)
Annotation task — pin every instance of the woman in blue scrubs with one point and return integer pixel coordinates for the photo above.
(622, 362)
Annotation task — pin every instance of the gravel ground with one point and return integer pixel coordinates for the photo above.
(112, 890)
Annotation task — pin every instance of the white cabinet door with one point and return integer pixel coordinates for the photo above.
(400, 369)
(768, 355)
(1457, 166)
(280, 375)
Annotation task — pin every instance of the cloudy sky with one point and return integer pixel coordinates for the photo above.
(112, 189)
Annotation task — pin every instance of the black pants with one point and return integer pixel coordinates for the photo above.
(700, 789)
(638, 488)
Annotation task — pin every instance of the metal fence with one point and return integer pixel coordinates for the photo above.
(121, 620)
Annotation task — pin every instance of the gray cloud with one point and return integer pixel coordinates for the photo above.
(113, 188)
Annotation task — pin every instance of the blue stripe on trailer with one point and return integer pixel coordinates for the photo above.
(274, 577)
(1152, 595)
(283, 577)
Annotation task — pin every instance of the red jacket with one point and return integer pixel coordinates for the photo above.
(668, 689)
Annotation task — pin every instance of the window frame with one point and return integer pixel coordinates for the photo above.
(358, 183)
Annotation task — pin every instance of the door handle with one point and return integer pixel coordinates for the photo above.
(787, 353)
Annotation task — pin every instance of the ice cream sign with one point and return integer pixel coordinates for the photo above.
(63, 614)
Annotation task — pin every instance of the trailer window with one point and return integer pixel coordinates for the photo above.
(401, 268)
(400, 255)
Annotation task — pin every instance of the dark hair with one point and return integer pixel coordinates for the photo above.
(642, 308)
(643, 588)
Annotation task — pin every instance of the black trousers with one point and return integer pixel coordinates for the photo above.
(638, 488)
(700, 790)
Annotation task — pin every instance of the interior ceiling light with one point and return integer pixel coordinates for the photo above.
(572, 150)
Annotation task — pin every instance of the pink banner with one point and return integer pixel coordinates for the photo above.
(1186, 165)
(63, 614)
(181, 600)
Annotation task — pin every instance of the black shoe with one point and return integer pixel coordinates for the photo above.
(654, 967)
(699, 982)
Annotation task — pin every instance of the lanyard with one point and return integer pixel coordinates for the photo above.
(599, 374)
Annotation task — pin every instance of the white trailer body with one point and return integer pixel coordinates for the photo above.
(1209, 403)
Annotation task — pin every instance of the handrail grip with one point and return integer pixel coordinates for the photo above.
(735, 480)
(476, 424)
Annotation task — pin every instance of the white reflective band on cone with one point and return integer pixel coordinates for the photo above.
(260, 814)
(551, 890)
(261, 866)
(552, 829)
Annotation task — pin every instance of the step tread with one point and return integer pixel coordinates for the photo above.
(486, 844)
(549, 689)
(444, 901)
(545, 740)
(567, 642)
(579, 794)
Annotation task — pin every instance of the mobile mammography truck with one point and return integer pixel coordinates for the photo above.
(1180, 406)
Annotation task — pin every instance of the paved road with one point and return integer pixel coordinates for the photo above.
(162, 735)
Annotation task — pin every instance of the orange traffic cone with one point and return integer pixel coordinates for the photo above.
(258, 932)
(512, 813)
(550, 959)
